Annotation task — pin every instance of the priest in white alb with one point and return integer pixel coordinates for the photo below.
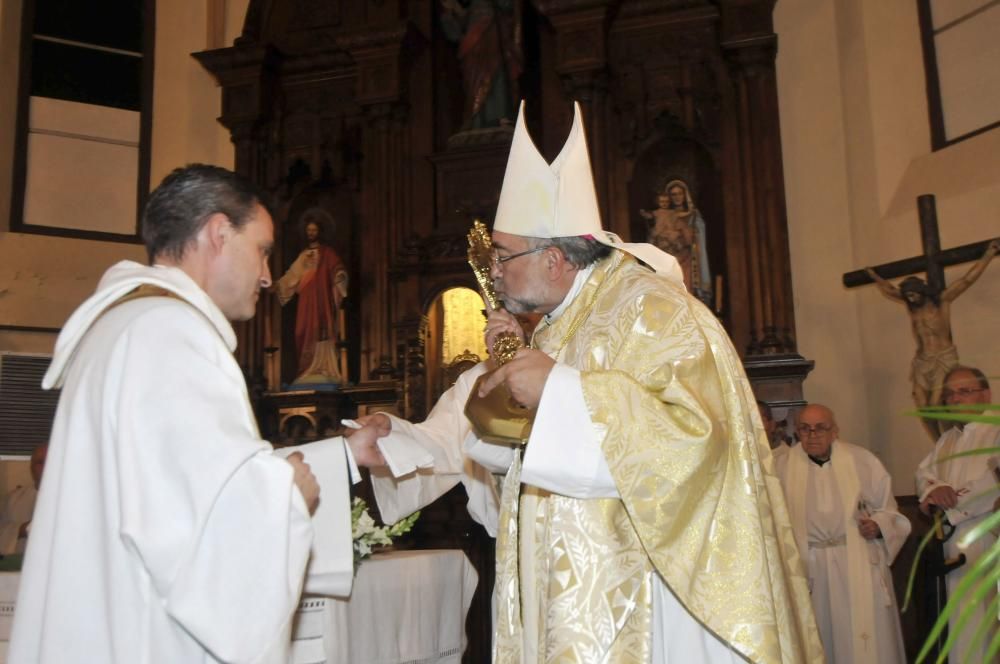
(849, 531)
(166, 530)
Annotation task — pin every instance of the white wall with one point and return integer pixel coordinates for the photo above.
(43, 278)
(856, 149)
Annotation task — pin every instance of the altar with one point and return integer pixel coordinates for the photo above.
(406, 606)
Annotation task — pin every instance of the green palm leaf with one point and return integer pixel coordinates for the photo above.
(984, 625)
(977, 582)
(959, 413)
(973, 577)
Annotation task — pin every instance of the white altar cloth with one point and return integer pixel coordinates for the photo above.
(407, 607)
(9, 582)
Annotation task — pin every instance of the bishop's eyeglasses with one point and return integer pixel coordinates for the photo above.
(500, 260)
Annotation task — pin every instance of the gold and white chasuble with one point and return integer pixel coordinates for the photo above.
(699, 502)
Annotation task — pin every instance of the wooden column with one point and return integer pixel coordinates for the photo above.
(754, 169)
(581, 29)
(760, 281)
(247, 75)
(386, 178)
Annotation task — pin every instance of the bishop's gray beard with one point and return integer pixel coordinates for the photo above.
(528, 302)
(516, 306)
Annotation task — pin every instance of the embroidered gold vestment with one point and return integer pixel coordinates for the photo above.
(699, 500)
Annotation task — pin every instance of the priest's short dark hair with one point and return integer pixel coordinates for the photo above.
(187, 197)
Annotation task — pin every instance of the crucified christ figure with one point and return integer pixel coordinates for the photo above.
(930, 320)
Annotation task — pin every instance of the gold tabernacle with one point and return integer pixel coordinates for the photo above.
(495, 418)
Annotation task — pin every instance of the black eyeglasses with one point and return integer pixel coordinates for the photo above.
(961, 392)
(500, 260)
(818, 430)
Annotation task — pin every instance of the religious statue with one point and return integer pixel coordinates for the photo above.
(319, 279)
(678, 228)
(930, 320)
(488, 33)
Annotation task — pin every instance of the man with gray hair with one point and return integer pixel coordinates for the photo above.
(964, 487)
(621, 520)
(849, 530)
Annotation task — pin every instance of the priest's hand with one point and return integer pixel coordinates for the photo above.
(943, 496)
(524, 377)
(305, 480)
(362, 441)
(501, 321)
(869, 529)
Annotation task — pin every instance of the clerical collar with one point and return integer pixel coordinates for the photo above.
(578, 281)
(819, 462)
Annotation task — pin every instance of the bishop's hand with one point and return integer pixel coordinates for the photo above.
(362, 441)
(524, 376)
(380, 421)
(500, 322)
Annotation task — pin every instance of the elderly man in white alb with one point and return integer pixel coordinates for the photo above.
(639, 525)
(166, 530)
(849, 531)
(965, 487)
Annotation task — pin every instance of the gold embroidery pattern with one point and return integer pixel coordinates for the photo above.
(661, 378)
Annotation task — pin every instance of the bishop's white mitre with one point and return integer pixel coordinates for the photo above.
(543, 200)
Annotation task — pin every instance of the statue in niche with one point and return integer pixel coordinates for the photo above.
(319, 279)
(930, 319)
(677, 228)
(488, 33)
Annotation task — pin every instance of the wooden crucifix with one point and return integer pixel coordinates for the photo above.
(929, 303)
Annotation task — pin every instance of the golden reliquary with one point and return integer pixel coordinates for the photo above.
(495, 418)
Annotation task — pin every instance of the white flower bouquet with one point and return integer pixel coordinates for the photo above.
(367, 535)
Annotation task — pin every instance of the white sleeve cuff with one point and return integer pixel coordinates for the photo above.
(564, 452)
(494, 457)
(351, 463)
(930, 487)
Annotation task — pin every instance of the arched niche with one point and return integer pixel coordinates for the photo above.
(672, 155)
(454, 340)
(331, 207)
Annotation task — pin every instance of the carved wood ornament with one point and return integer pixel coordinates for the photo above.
(362, 101)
